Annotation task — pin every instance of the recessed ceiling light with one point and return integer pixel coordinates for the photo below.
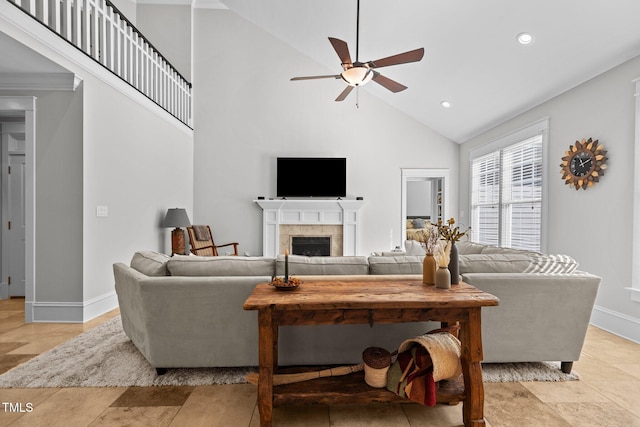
(445, 104)
(525, 39)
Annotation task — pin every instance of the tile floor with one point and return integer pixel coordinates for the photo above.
(608, 394)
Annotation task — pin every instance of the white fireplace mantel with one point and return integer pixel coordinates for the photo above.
(276, 212)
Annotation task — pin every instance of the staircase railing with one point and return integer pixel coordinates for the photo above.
(101, 31)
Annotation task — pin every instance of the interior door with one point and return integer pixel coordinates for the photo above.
(16, 225)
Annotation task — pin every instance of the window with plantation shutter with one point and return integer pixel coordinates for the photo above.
(507, 193)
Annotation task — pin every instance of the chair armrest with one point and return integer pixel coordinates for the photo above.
(235, 247)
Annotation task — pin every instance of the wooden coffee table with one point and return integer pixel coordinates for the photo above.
(355, 302)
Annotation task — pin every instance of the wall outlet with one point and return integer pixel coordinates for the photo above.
(102, 211)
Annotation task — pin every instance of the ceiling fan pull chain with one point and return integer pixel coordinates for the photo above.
(357, 97)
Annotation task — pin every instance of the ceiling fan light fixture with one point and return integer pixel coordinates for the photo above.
(357, 75)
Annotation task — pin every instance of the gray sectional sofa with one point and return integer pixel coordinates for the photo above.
(186, 311)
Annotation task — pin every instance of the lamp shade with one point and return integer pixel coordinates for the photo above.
(357, 75)
(176, 217)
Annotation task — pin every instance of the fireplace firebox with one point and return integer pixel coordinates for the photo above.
(311, 245)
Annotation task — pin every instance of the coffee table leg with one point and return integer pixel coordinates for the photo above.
(267, 344)
(471, 339)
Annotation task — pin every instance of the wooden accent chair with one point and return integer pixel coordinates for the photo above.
(201, 241)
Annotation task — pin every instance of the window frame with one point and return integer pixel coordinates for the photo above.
(540, 127)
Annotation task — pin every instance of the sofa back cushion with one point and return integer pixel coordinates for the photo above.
(552, 264)
(406, 264)
(494, 263)
(184, 265)
(466, 248)
(150, 263)
(338, 265)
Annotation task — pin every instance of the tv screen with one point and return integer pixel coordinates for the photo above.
(311, 177)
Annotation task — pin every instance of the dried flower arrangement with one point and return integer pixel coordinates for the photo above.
(443, 255)
(428, 237)
(449, 232)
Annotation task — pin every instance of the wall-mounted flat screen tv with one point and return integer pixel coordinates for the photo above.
(311, 177)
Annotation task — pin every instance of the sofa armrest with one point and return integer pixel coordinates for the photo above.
(541, 317)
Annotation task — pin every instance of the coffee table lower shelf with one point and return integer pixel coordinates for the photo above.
(352, 389)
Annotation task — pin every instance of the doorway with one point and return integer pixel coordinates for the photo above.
(425, 197)
(23, 159)
(12, 139)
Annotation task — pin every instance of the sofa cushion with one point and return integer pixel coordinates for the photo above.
(494, 263)
(413, 247)
(407, 264)
(552, 264)
(181, 265)
(465, 248)
(499, 250)
(150, 263)
(335, 265)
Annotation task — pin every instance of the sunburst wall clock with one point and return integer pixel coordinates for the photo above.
(584, 164)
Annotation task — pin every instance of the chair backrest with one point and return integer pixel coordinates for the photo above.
(201, 240)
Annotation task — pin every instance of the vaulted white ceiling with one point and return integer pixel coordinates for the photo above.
(472, 58)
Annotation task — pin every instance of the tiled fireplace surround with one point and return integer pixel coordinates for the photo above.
(282, 219)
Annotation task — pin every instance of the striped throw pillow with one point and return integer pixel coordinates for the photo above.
(551, 264)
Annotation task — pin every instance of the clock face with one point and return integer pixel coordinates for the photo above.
(581, 163)
(584, 164)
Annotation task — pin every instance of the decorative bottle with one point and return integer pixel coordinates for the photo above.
(443, 278)
(429, 268)
(454, 266)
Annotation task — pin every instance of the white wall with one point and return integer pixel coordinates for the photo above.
(419, 199)
(168, 28)
(593, 226)
(247, 113)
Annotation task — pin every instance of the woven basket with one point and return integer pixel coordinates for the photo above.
(376, 364)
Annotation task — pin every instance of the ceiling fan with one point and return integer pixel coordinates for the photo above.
(356, 73)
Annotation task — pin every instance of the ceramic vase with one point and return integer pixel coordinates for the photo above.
(454, 266)
(429, 268)
(443, 278)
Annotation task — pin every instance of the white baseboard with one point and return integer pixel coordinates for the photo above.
(71, 312)
(617, 323)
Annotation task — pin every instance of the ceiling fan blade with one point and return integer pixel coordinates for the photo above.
(401, 58)
(386, 82)
(342, 49)
(347, 90)
(316, 77)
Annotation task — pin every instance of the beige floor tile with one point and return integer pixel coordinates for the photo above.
(44, 344)
(511, 404)
(437, 416)
(36, 331)
(70, 407)
(592, 370)
(154, 416)
(595, 415)
(623, 393)
(26, 397)
(563, 392)
(375, 415)
(218, 406)
(632, 369)
(613, 351)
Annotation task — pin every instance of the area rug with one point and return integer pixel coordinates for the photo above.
(105, 357)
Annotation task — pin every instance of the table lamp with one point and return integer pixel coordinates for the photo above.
(177, 218)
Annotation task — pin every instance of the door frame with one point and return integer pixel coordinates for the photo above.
(27, 104)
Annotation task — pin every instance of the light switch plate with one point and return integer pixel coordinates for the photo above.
(102, 211)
